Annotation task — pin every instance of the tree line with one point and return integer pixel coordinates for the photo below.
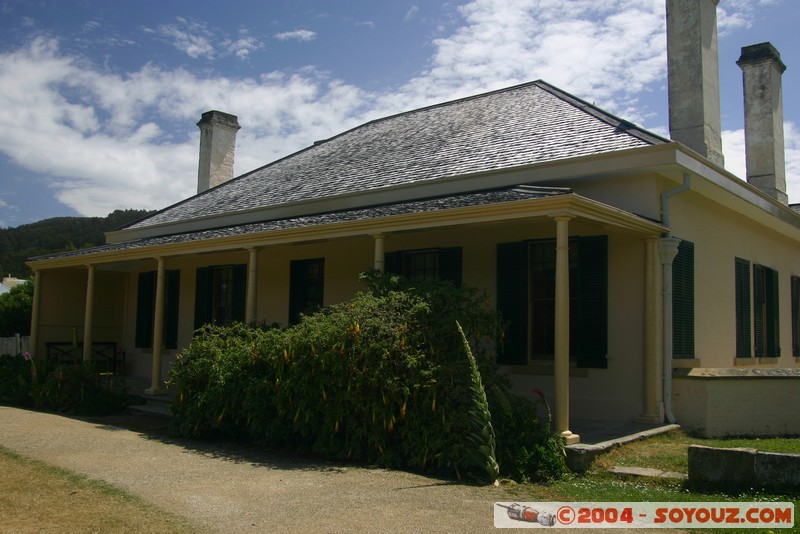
(57, 234)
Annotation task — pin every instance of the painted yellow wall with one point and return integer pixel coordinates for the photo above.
(720, 236)
(62, 306)
(738, 406)
(344, 259)
(635, 194)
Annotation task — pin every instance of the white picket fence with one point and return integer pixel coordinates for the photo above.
(15, 345)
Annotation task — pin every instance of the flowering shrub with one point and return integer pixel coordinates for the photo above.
(385, 378)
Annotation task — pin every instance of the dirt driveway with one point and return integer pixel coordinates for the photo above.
(239, 489)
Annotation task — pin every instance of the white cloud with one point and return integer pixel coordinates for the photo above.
(736, 14)
(733, 146)
(296, 35)
(243, 46)
(198, 41)
(733, 149)
(192, 38)
(127, 159)
(606, 51)
(791, 134)
(411, 13)
(114, 141)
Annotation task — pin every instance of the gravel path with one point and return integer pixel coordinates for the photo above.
(233, 489)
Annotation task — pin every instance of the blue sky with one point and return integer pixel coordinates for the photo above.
(99, 99)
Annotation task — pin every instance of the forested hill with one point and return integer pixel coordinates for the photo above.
(58, 234)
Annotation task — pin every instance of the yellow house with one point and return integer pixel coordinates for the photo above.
(641, 280)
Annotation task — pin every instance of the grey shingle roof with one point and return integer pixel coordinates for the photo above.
(522, 125)
(401, 208)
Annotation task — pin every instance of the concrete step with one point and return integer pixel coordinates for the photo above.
(151, 409)
(646, 472)
(156, 405)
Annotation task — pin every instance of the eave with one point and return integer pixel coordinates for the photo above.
(611, 163)
(571, 205)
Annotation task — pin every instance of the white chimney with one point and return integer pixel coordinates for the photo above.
(693, 74)
(217, 146)
(762, 69)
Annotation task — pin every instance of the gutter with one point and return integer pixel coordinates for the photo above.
(667, 250)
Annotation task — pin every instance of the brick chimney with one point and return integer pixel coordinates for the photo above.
(762, 69)
(693, 74)
(217, 145)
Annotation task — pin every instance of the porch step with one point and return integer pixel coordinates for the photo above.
(647, 472)
(151, 409)
(155, 406)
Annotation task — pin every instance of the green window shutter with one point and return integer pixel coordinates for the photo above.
(450, 265)
(239, 296)
(773, 314)
(203, 295)
(683, 301)
(145, 305)
(742, 281)
(795, 316)
(171, 309)
(592, 286)
(759, 327)
(297, 294)
(512, 301)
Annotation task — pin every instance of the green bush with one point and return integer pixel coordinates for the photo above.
(15, 310)
(75, 388)
(79, 389)
(385, 378)
(16, 376)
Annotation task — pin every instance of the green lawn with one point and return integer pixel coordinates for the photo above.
(667, 452)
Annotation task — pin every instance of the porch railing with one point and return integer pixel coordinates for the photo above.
(107, 357)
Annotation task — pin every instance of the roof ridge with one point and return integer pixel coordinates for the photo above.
(599, 113)
(609, 118)
(340, 134)
(606, 133)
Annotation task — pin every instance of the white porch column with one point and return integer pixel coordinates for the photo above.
(37, 291)
(561, 357)
(379, 263)
(156, 386)
(88, 315)
(652, 413)
(252, 280)
(667, 250)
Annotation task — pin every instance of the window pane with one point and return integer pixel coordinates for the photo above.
(223, 295)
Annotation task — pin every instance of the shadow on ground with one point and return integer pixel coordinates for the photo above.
(158, 429)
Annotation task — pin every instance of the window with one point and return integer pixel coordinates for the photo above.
(428, 264)
(146, 306)
(742, 280)
(683, 301)
(526, 298)
(306, 287)
(796, 316)
(542, 295)
(220, 293)
(765, 312)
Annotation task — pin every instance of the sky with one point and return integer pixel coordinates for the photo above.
(99, 99)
